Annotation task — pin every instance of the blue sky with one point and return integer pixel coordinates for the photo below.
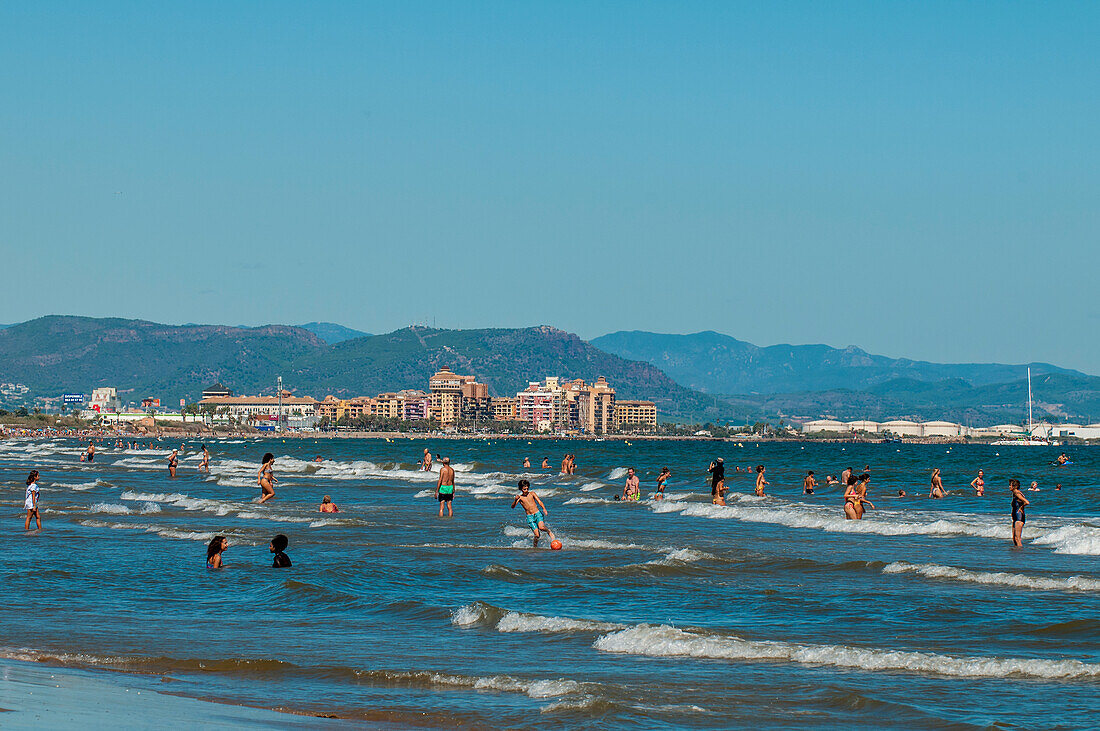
(918, 179)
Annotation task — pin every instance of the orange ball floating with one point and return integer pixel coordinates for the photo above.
(555, 545)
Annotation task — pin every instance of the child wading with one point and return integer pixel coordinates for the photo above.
(536, 511)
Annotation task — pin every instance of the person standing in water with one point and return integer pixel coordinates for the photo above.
(426, 462)
(278, 545)
(546, 463)
(565, 465)
(536, 511)
(205, 460)
(845, 475)
(978, 483)
(445, 487)
(760, 481)
(327, 506)
(717, 472)
(937, 485)
(526, 463)
(809, 482)
(173, 462)
(90, 453)
(631, 490)
(214, 552)
(266, 478)
(661, 480)
(31, 503)
(1019, 516)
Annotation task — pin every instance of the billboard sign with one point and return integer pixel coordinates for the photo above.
(73, 399)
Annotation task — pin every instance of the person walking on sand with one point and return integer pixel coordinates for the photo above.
(205, 466)
(1019, 516)
(937, 485)
(173, 462)
(760, 481)
(214, 552)
(445, 487)
(426, 462)
(536, 511)
(717, 472)
(978, 483)
(631, 490)
(266, 478)
(31, 503)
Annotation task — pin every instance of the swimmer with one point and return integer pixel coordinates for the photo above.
(31, 502)
(861, 496)
(278, 545)
(445, 487)
(214, 552)
(1062, 458)
(717, 472)
(845, 475)
(809, 482)
(266, 478)
(1019, 516)
(978, 483)
(831, 480)
(572, 464)
(937, 485)
(173, 462)
(90, 453)
(565, 465)
(661, 480)
(902, 493)
(1058, 486)
(851, 500)
(760, 481)
(526, 463)
(327, 506)
(536, 511)
(1034, 487)
(631, 490)
(205, 460)
(426, 462)
(318, 458)
(546, 463)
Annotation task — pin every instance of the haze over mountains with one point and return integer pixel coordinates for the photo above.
(701, 377)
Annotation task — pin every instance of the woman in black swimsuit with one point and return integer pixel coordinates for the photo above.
(1019, 503)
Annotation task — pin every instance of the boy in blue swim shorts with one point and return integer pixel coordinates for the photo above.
(536, 511)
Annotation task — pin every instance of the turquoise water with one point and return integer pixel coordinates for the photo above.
(676, 613)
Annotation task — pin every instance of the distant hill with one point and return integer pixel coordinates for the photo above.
(1058, 397)
(333, 333)
(719, 364)
(58, 354)
(505, 359)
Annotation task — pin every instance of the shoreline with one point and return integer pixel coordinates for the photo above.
(42, 694)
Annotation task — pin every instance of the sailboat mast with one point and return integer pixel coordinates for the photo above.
(1029, 402)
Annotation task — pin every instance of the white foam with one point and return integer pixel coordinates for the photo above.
(1081, 540)
(617, 474)
(590, 486)
(110, 508)
(681, 555)
(523, 622)
(998, 578)
(586, 501)
(666, 641)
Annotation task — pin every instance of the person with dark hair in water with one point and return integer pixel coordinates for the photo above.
(809, 482)
(214, 552)
(205, 460)
(1019, 517)
(173, 462)
(266, 478)
(31, 503)
(278, 545)
(717, 472)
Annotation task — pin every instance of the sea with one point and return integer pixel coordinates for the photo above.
(769, 612)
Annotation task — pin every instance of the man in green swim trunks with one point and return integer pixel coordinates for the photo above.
(445, 487)
(536, 511)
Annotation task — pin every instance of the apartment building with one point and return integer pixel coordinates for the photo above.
(596, 407)
(503, 409)
(635, 413)
(539, 405)
(299, 411)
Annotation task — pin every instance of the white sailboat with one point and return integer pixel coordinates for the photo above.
(1030, 440)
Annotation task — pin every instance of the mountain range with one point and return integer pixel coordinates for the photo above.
(701, 377)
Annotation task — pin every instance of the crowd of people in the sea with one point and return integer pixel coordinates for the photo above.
(855, 495)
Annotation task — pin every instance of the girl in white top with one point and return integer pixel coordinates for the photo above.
(31, 503)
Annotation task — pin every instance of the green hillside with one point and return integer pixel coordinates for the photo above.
(505, 359)
(57, 354)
